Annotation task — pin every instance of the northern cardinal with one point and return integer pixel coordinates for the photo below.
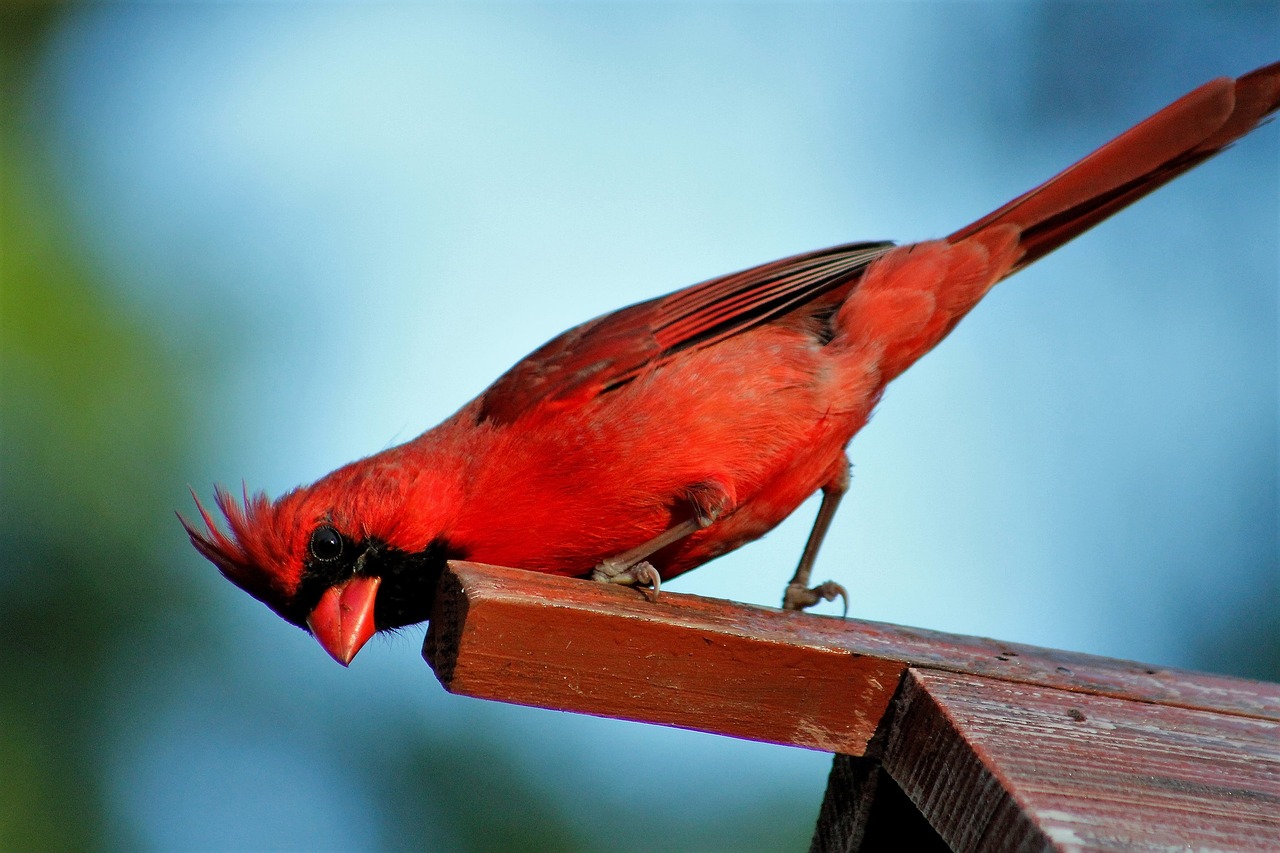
(646, 442)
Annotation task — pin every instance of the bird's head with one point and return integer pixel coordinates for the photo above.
(336, 568)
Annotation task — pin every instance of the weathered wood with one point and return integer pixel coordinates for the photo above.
(997, 746)
(865, 810)
(997, 765)
(694, 663)
(752, 672)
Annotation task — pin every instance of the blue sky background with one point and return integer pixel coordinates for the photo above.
(345, 220)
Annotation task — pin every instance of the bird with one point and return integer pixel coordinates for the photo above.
(647, 441)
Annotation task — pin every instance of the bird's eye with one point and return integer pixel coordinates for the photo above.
(326, 544)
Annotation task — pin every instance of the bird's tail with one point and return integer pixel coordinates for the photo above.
(1177, 138)
(913, 296)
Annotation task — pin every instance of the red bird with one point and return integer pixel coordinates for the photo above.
(646, 442)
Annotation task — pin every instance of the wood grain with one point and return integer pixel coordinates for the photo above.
(587, 647)
(741, 670)
(997, 765)
(965, 742)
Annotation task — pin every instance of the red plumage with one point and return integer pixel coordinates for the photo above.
(710, 413)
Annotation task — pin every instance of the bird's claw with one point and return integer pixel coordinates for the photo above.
(638, 574)
(800, 597)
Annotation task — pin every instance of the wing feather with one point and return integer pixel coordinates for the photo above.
(606, 353)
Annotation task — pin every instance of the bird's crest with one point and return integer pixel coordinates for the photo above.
(259, 552)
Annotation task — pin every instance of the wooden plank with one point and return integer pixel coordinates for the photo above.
(998, 746)
(741, 670)
(997, 765)
(598, 649)
(865, 810)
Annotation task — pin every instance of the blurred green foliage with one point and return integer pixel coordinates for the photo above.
(94, 426)
(91, 426)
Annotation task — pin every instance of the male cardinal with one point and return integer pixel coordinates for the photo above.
(646, 442)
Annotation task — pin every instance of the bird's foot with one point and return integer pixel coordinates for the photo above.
(635, 574)
(801, 597)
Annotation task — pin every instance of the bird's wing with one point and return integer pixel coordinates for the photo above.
(610, 351)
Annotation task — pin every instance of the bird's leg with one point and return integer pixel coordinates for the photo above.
(631, 568)
(799, 595)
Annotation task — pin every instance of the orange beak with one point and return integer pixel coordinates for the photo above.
(343, 620)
